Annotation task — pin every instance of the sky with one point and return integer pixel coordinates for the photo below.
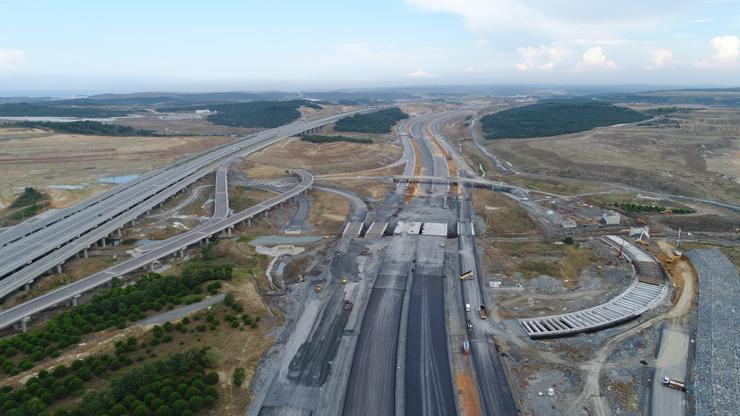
(126, 46)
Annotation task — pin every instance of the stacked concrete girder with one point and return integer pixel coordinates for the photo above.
(639, 298)
(174, 245)
(25, 258)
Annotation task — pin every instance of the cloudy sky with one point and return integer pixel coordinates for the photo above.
(86, 46)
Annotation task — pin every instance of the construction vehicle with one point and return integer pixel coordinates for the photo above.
(674, 384)
(483, 312)
(319, 287)
(347, 305)
(466, 275)
(345, 279)
(641, 241)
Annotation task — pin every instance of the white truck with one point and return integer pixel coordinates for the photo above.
(674, 384)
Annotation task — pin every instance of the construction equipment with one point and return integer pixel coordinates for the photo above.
(347, 305)
(642, 242)
(345, 279)
(319, 287)
(674, 384)
(483, 312)
(677, 249)
(466, 275)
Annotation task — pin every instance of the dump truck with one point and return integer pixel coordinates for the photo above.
(674, 384)
(483, 312)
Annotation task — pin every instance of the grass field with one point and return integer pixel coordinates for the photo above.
(700, 158)
(30, 157)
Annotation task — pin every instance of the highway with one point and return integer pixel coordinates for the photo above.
(495, 394)
(168, 247)
(24, 259)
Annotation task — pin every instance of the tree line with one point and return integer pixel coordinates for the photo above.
(377, 122)
(87, 127)
(331, 139)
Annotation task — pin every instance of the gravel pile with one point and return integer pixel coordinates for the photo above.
(717, 362)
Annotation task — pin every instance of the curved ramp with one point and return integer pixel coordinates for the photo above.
(639, 298)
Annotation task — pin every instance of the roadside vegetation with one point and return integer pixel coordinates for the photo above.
(117, 307)
(43, 110)
(168, 369)
(657, 209)
(378, 122)
(253, 114)
(331, 139)
(26, 205)
(86, 127)
(555, 117)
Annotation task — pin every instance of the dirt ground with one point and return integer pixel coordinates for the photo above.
(32, 157)
(502, 215)
(370, 189)
(697, 158)
(541, 278)
(320, 158)
(328, 212)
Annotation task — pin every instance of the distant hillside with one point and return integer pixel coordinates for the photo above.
(87, 127)
(728, 97)
(555, 117)
(378, 122)
(45, 110)
(253, 114)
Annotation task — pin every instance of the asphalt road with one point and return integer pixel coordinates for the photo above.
(169, 247)
(182, 311)
(371, 390)
(496, 396)
(428, 384)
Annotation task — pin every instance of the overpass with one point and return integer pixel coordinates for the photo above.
(36, 247)
(172, 246)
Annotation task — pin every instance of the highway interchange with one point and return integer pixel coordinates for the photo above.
(396, 339)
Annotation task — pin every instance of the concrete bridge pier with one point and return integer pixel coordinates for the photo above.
(59, 269)
(22, 325)
(84, 253)
(119, 234)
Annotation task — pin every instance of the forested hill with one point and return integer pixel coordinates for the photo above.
(555, 117)
(253, 114)
(378, 122)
